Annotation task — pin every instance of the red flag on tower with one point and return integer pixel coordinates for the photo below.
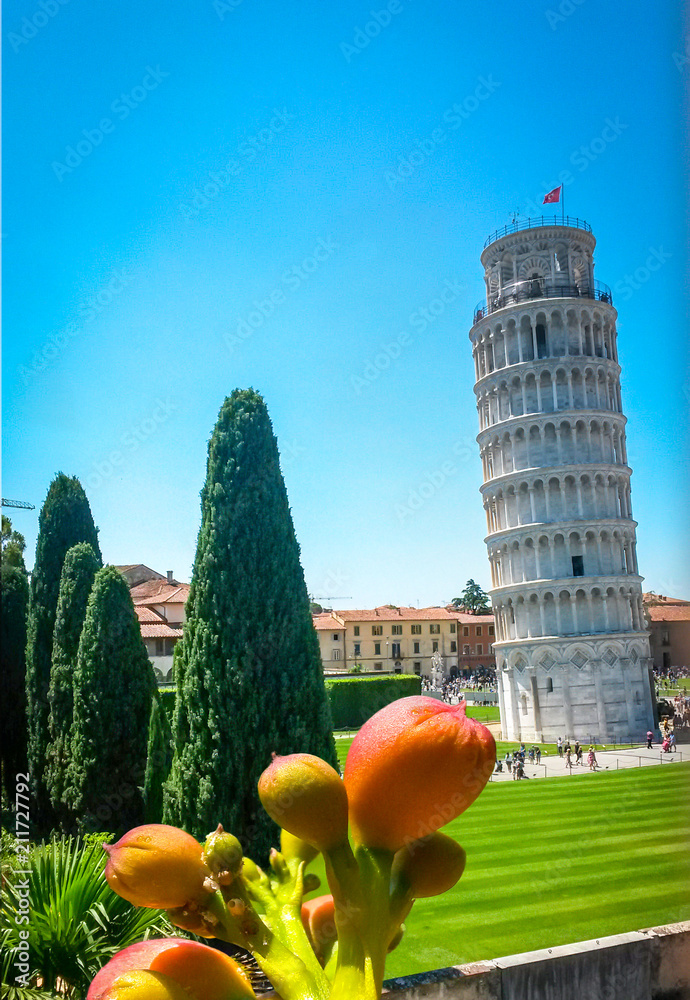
(553, 196)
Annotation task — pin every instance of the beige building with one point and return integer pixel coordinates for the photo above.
(159, 603)
(404, 640)
(668, 620)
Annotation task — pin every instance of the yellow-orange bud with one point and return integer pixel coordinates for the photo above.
(143, 985)
(157, 866)
(294, 847)
(428, 867)
(306, 796)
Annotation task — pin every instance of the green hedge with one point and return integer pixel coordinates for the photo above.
(167, 697)
(355, 699)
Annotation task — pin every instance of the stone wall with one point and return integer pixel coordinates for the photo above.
(652, 964)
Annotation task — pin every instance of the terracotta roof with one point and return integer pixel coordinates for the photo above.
(326, 622)
(161, 631)
(669, 613)
(387, 613)
(147, 616)
(160, 592)
(659, 599)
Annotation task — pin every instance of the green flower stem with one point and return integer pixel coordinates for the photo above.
(360, 887)
(286, 972)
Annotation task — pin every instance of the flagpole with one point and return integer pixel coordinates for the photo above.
(563, 205)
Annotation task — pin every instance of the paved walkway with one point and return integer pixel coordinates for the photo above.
(608, 760)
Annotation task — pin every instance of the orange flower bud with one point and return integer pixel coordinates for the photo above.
(412, 768)
(204, 972)
(428, 867)
(306, 796)
(157, 866)
(318, 917)
(186, 969)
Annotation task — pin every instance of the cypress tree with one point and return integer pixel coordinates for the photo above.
(78, 572)
(65, 520)
(14, 591)
(158, 761)
(248, 669)
(113, 688)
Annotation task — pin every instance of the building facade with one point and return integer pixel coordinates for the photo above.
(572, 650)
(160, 606)
(404, 640)
(668, 620)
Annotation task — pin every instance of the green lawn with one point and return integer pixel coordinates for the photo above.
(555, 861)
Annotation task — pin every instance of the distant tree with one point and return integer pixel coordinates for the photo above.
(14, 602)
(158, 761)
(78, 572)
(248, 668)
(473, 600)
(65, 520)
(113, 689)
(13, 545)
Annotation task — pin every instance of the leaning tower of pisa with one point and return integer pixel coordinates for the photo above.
(572, 652)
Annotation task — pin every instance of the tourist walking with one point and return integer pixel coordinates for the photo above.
(559, 744)
(509, 761)
(537, 753)
(592, 759)
(650, 737)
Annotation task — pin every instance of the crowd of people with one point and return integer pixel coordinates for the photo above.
(482, 679)
(573, 754)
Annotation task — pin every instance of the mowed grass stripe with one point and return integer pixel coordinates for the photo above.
(558, 860)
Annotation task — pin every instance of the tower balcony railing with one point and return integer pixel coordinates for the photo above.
(538, 222)
(541, 288)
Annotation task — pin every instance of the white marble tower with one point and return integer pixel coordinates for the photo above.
(572, 652)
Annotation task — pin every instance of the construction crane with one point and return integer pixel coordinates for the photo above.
(18, 503)
(330, 597)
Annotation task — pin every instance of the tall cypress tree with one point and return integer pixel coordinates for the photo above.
(78, 572)
(14, 595)
(158, 761)
(248, 669)
(113, 688)
(65, 520)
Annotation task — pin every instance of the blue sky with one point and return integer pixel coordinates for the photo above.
(203, 196)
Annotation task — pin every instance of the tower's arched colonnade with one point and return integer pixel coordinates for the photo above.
(572, 651)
